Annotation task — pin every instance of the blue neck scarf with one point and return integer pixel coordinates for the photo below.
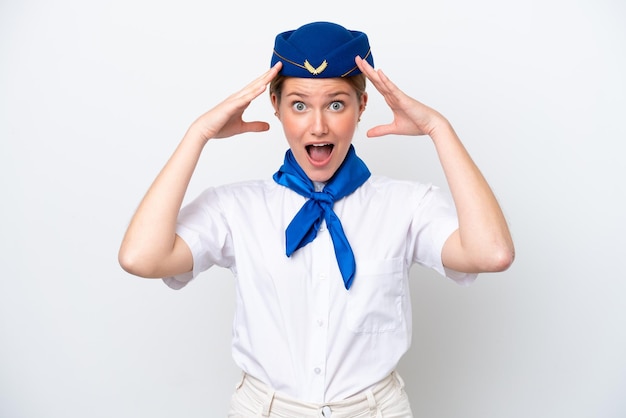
(304, 226)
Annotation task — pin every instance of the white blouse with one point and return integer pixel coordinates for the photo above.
(296, 327)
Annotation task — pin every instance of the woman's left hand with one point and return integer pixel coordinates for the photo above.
(410, 117)
(483, 241)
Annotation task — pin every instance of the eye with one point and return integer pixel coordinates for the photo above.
(299, 106)
(336, 106)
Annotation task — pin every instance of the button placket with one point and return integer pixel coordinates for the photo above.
(321, 249)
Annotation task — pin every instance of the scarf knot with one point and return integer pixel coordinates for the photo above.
(304, 226)
(323, 198)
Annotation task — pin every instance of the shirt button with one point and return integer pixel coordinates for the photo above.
(320, 323)
(323, 276)
(317, 370)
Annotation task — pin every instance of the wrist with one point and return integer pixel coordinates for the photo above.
(196, 134)
(439, 126)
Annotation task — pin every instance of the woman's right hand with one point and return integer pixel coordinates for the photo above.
(151, 247)
(226, 119)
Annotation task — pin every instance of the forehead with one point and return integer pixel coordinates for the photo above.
(317, 86)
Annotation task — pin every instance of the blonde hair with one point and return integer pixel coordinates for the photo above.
(358, 83)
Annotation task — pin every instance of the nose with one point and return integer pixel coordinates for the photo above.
(319, 125)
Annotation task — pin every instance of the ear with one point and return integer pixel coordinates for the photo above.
(363, 103)
(274, 99)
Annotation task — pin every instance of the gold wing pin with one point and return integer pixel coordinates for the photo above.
(313, 70)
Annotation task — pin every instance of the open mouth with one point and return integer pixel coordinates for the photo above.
(319, 152)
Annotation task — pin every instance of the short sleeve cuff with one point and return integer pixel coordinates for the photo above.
(192, 240)
(461, 278)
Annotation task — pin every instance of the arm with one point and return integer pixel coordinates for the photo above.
(482, 242)
(150, 247)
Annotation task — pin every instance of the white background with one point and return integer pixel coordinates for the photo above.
(95, 95)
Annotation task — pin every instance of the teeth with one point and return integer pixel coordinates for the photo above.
(320, 145)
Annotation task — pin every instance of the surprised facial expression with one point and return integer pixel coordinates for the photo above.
(319, 117)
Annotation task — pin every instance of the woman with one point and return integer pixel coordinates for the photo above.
(321, 252)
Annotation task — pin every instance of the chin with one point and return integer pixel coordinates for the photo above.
(319, 175)
(321, 178)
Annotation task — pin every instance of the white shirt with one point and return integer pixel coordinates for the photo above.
(296, 327)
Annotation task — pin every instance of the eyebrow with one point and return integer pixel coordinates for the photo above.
(305, 95)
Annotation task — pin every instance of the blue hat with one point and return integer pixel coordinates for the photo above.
(321, 50)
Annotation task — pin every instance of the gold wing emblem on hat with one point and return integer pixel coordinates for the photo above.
(313, 70)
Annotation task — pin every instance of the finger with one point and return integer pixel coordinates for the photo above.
(267, 77)
(380, 130)
(363, 65)
(378, 79)
(270, 74)
(258, 85)
(255, 126)
(367, 69)
(386, 82)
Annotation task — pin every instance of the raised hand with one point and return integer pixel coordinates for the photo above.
(150, 247)
(483, 241)
(226, 119)
(410, 117)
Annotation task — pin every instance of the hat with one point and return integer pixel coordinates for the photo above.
(321, 50)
